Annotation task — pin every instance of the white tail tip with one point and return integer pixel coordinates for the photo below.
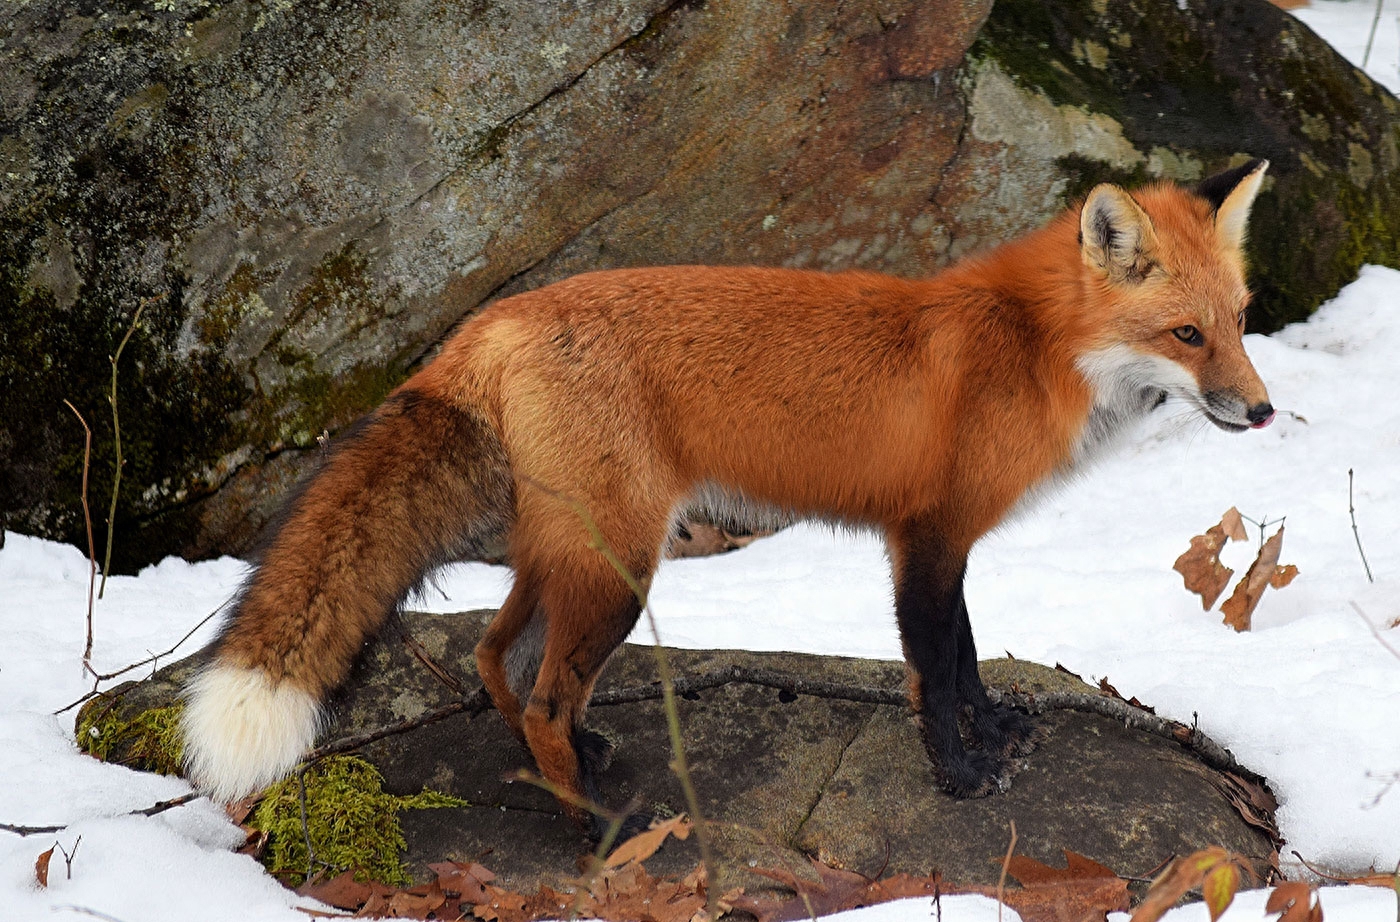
(242, 731)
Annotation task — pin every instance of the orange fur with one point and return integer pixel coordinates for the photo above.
(925, 409)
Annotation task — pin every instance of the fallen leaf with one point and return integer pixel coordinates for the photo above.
(1294, 903)
(1186, 874)
(342, 891)
(41, 866)
(1200, 567)
(467, 881)
(644, 844)
(1239, 608)
(1080, 891)
(835, 890)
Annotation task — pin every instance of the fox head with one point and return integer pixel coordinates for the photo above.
(1165, 289)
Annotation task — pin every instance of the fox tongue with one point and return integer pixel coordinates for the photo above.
(1263, 422)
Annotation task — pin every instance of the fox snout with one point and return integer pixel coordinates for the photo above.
(1234, 413)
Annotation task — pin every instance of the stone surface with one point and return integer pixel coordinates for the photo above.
(313, 194)
(785, 776)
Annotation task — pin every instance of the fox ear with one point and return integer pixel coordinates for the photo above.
(1232, 193)
(1116, 235)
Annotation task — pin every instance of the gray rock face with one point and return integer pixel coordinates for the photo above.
(311, 195)
(783, 775)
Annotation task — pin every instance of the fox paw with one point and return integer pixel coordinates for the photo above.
(975, 775)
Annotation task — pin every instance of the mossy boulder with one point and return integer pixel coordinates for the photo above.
(307, 197)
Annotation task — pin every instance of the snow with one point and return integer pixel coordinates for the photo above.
(1346, 24)
(1309, 697)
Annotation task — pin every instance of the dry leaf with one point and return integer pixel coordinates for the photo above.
(1081, 891)
(1294, 902)
(644, 844)
(41, 866)
(1186, 874)
(1219, 888)
(834, 891)
(342, 891)
(1233, 524)
(1201, 569)
(1283, 576)
(1239, 608)
(467, 881)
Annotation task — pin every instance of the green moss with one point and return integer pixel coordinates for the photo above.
(351, 822)
(148, 740)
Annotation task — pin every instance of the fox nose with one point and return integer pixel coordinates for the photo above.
(1260, 415)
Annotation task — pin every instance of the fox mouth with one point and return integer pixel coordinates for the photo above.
(1224, 424)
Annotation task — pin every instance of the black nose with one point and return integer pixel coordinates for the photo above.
(1260, 412)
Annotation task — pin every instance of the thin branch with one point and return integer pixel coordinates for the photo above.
(1375, 632)
(117, 437)
(1005, 866)
(1351, 509)
(108, 676)
(1371, 38)
(87, 517)
(152, 810)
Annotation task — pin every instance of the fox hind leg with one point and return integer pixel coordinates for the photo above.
(589, 610)
(515, 626)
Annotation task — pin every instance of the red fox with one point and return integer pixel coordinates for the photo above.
(924, 409)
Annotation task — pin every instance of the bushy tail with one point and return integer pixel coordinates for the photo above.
(418, 483)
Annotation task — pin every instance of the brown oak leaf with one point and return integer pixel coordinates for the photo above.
(1188, 873)
(1082, 890)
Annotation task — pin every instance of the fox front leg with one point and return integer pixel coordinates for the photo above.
(929, 608)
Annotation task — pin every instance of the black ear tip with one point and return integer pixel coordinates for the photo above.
(1216, 189)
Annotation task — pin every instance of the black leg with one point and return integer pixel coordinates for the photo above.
(1003, 731)
(928, 606)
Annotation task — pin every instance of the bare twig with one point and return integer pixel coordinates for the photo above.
(1375, 632)
(83, 910)
(92, 550)
(1371, 38)
(1005, 865)
(305, 826)
(152, 810)
(108, 676)
(117, 439)
(68, 856)
(1351, 509)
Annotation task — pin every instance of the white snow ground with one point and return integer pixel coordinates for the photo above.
(1310, 697)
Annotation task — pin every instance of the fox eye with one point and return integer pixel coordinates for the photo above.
(1189, 335)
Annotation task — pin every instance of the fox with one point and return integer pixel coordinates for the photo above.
(927, 410)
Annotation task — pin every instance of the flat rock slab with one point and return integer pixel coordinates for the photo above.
(783, 775)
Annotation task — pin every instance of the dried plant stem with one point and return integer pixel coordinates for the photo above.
(1371, 38)
(117, 441)
(87, 517)
(152, 810)
(1356, 533)
(1005, 865)
(107, 676)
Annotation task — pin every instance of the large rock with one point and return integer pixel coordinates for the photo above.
(313, 194)
(841, 777)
